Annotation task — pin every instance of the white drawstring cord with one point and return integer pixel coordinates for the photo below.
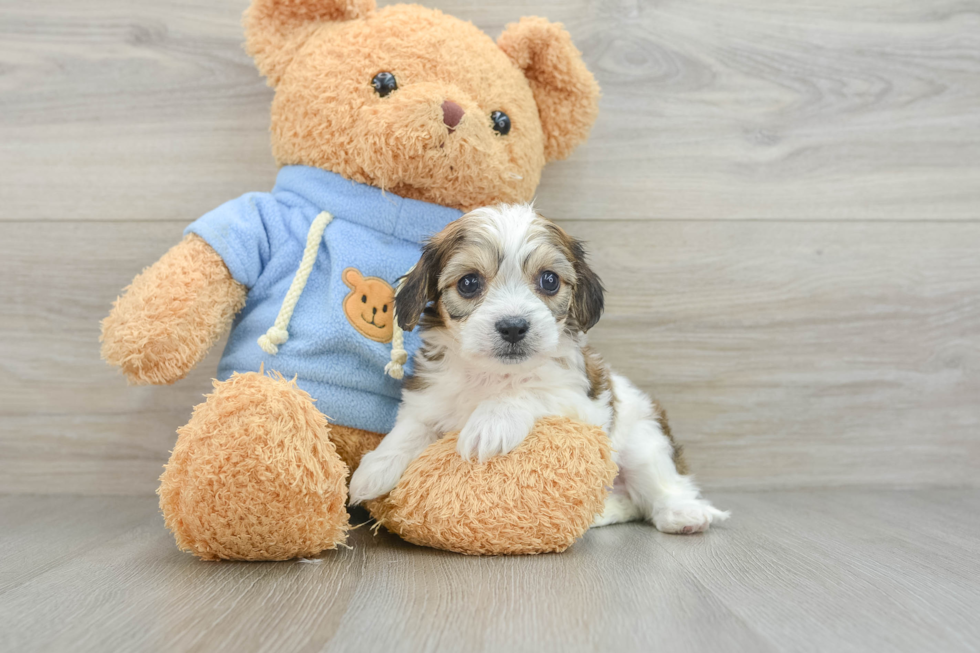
(396, 366)
(277, 333)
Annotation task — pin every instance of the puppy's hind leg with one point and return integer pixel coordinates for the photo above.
(618, 509)
(647, 469)
(670, 500)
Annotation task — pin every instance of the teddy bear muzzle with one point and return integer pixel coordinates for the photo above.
(452, 113)
(417, 134)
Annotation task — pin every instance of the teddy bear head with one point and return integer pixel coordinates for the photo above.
(419, 103)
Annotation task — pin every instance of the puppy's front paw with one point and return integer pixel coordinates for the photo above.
(377, 474)
(687, 516)
(493, 430)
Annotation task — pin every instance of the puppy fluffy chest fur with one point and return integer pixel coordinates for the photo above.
(454, 387)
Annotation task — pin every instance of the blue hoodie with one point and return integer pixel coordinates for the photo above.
(261, 238)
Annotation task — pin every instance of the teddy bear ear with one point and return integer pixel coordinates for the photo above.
(275, 29)
(565, 91)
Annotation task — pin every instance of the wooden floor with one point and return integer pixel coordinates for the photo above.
(828, 570)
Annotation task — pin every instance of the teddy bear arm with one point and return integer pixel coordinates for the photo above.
(172, 314)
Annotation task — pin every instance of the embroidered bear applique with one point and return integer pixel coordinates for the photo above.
(370, 305)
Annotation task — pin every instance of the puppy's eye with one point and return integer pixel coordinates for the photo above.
(549, 282)
(384, 83)
(501, 122)
(469, 285)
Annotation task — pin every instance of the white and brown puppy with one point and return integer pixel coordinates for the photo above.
(505, 298)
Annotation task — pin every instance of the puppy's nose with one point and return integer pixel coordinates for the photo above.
(452, 113)
(512, 329)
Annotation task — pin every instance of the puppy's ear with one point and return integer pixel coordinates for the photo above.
(588, 299)
(565, 91)
(276, 29)
(419, 287)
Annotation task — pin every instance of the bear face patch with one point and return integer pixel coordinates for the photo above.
(370, 305)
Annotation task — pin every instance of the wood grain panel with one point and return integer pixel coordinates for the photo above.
(137, 592)
(139, 110)
(819, 353)
(819, 570)
(787, 354)
(852, 579)
(40, 533)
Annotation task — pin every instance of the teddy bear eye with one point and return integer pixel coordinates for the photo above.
(501, 122)
(384, 83)
(364, 299)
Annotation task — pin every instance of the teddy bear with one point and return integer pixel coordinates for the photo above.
(387, 125)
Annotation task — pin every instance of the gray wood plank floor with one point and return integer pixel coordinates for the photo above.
(808, 570)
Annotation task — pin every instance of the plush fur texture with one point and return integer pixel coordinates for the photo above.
(353, 443)
(327, 114)
(556, 73)
(539, 499)
(254, 475)
(251, 477)
(171, 315)
(275, 30)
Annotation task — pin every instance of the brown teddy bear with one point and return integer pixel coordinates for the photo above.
(388, 124)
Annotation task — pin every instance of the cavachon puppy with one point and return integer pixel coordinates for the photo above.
(504, 298)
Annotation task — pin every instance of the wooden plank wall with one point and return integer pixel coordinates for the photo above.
(783, 200)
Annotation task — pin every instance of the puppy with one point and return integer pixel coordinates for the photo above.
(505, 298)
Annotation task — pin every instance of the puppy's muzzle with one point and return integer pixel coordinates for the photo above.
(512, 329)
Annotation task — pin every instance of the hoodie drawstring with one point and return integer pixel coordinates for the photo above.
(277, 333)
(396, 366)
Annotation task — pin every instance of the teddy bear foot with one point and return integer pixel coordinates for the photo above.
(254, 475)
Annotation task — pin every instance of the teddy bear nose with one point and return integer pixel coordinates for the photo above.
(452, 113)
